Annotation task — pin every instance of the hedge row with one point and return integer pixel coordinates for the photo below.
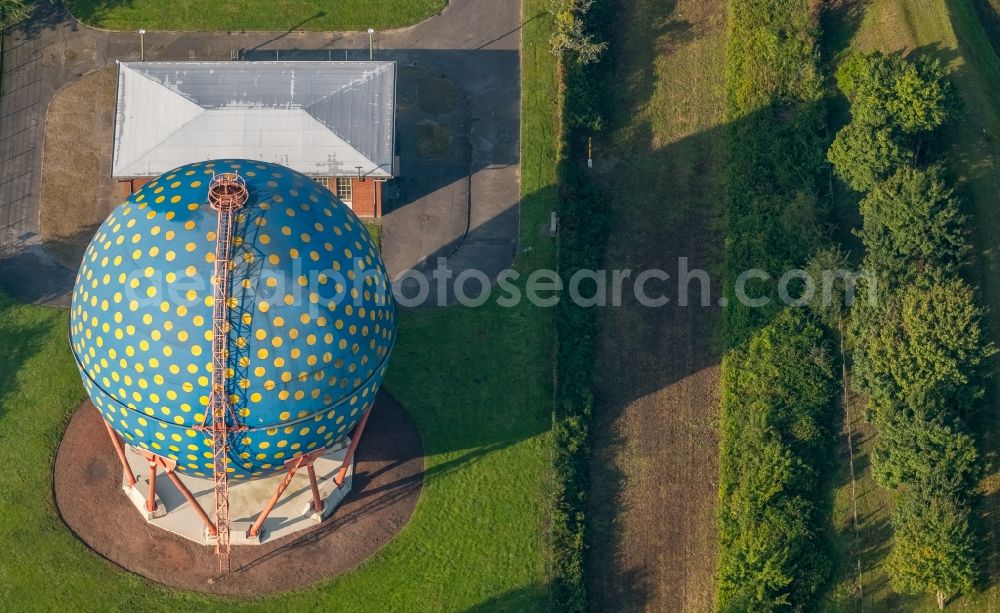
(778, 382)
(777, 132)
(917, 349)
(777, 392)
(583, 219)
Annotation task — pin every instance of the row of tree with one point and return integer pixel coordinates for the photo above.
(918, 346)
(778, 381)
(776, 123)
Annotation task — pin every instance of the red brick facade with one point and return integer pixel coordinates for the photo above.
(366, 196)
(126, 187)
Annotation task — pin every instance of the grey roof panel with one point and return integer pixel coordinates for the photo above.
(355, 101)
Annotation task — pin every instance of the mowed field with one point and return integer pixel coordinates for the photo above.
(476, 381)
(655, 444)
(958, 33)
(253, 15)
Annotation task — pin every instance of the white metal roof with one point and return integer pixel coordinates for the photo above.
(319, 118)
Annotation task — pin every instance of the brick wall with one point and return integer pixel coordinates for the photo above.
(126, 187)
(366, 197)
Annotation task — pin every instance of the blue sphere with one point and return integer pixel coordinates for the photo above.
(310, 327)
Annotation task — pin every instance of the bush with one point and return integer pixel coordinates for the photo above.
(777, 397)
(12, 11)
(777, 381)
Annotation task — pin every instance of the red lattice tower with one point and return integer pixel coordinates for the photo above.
(227, 193)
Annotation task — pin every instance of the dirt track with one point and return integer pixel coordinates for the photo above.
(654, 463)
(387, 483)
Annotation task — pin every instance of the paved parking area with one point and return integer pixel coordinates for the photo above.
(473, 44)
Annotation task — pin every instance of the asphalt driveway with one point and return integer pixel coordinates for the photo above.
(457, 198)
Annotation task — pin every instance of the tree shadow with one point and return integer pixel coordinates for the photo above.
(528, 598)
(21, 340)
(45, 15)
(293, 28)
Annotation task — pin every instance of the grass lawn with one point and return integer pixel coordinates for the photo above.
(477, 381)
(260, 15)
(375, 229)
(953, 31)
(655, 448)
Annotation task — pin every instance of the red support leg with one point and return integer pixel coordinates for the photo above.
(342, 473)
(191, 500)
(317, 501)
(293, 465)
(120, 450)
(151, 498)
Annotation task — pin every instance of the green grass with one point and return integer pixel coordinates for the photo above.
(951, 31)
(252, 14)
(375, 229)
(477, 382)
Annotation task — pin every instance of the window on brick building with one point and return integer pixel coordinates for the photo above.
(344, 188)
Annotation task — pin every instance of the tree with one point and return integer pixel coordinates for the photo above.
(893, 102)
(863, 154)
(12, 11)
(833, 285)
(926, 454)
(888, 90)
(912, 221)
(570, 37)
(933, 548)
(923, 341)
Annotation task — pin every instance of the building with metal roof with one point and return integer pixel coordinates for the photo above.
(331, 121)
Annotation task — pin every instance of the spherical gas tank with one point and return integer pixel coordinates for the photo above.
(308, 329)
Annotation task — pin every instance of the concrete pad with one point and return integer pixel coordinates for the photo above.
(138, 495)
(247, 499)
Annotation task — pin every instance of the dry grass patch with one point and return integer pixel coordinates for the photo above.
(77, 192)
(655, 440)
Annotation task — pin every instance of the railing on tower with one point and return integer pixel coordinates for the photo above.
(227, 193)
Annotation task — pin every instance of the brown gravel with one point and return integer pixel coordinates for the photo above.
(387, 482)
